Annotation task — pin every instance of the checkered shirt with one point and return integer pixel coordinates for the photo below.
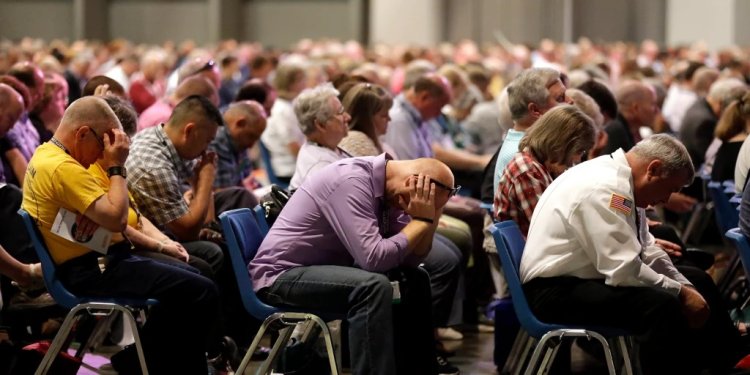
(156, 174)
(232, 166)
(522, 183)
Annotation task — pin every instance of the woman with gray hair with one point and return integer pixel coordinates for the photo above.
(282, 136)
(324, 122)
(560, 139)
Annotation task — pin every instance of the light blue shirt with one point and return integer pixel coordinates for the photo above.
(408, 134)
(509, 149)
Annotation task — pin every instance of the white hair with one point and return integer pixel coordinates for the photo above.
(314, 105)
(672, 153)
(530, 87)
(727, 90)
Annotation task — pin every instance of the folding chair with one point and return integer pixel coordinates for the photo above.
(510, 244)
(94, 306)
(243, 236)
(742, 244)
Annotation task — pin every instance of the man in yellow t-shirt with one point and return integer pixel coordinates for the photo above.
(57, 178)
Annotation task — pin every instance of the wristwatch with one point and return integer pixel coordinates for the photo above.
(117, 171)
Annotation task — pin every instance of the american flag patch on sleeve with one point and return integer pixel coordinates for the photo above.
(620, 203)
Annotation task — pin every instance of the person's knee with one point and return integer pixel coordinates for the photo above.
(375, 287)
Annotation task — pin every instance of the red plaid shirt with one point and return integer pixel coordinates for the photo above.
(522, 183)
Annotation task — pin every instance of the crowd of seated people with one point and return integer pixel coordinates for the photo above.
(388, 153)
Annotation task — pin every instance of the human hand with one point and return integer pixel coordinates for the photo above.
(670, 248)
(680, 203)
(102, 90)
(188, 196)
(175, 250)
(421, 197)
(206, 167)
(84, 229)
(116, 148)
(694, 307)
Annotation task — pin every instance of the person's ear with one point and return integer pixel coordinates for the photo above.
(534, 110)
(654, 169)
(189, 129)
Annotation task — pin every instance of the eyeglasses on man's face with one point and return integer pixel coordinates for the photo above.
(98, 139)
(452, 191)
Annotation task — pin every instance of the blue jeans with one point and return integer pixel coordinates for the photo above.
(384, 338)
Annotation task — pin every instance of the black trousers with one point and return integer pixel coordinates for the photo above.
(175, 334)
(655, 316)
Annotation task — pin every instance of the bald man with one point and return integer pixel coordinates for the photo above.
(245, 122)
(637, 108)
(341, 232)
(161, 110)
(11, 108)
(58, 178)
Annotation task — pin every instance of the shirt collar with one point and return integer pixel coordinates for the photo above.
(184, 166)
(378, 174)
(410, 109)
(625, 172)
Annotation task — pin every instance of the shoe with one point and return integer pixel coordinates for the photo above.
(25, 301)
(445, 368)
(483, 328)
(125, 362)
(449, 333)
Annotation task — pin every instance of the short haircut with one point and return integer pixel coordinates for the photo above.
(703, 78)
(259, 62)
(430, 83)
(734, 118)
(586, 104)
(286, 75)
(195, 85)
(97, 81)
(124, 112)
(631, 92)
(192, 108)
(25, 72)
(602, 96)
(363, 101)
(255, 90)
(312, 105)
(561, 133)
(531, 86)
(415, 70)
(671, 152)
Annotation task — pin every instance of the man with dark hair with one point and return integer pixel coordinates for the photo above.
(161, 109)
(603, 97)
(112, 86)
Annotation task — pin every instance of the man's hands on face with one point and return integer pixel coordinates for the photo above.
(205, 169)
(694, 306)
(116, 148)
(421, 197)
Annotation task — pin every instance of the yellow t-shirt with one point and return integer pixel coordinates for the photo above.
(54, 180)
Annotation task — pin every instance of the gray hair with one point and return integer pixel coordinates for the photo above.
(672, 153)
(314, 105)
(588, 105)
(530, 87)
(416, 69)
(727, 90)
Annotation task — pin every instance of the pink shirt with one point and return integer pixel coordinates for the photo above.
(154, 115)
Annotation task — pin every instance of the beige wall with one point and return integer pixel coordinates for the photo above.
(46, 19)
(692, 20)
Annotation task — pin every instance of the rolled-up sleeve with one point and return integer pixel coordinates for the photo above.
(352, 214)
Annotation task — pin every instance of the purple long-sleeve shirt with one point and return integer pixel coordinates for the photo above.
(336, 218)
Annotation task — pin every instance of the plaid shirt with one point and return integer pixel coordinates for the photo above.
(523, 181)
(156, 174)
(233, 166)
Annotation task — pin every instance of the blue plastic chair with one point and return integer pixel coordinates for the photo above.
(736, 236)
(727, 216)
(244, 236)
(265, 156)
(96, 306)
(260, 218)
(510, 244)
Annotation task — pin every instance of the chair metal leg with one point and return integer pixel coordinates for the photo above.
(57, 343)
(329, 342)
(127, 315)
(626, 361)
(525, 359)
(515, 351)
(284, 335)
(607, 351)
(542, 345)
(255, 343)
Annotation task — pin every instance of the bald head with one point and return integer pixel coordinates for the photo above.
(197, 85)
(11, 108)
(631, 91)
(399, 172)
(245, 121)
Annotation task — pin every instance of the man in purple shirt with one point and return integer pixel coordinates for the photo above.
(341, 231)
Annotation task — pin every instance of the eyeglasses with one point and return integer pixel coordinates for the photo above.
(452, 191)
(98, 140)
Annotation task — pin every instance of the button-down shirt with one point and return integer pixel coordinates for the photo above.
(522, 183)
(507, 152)
(585, 226)
(24, 137)
(155, 176)
(281, 130)
(408, 134)
(336, 218)
(233, 166)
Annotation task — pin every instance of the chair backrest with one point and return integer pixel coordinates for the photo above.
(727, 216)
(510, 244)
(243, 237)
(265, 156)
(54, 286)
(743, 247)
(260, 217)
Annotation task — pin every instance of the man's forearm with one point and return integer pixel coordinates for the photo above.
(458, 159)
(419, 236)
